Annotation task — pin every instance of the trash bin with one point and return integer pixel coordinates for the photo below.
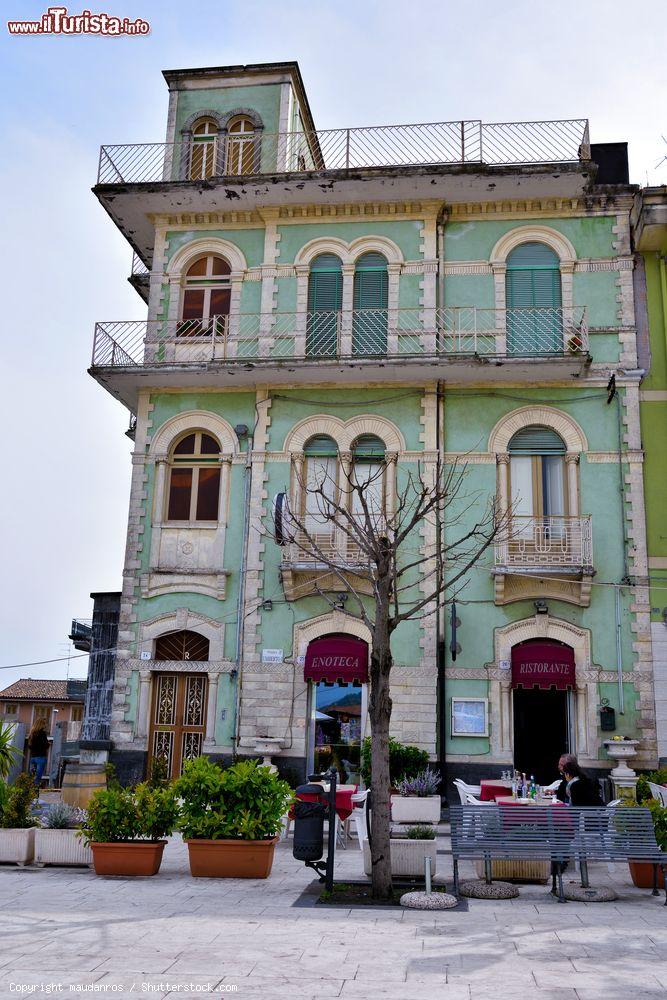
(309, 824)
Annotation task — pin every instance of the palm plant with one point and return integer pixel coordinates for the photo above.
(8, 752)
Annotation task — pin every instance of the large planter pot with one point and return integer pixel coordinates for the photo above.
(407, 857)
(641, 873)
(415, 809)
(231, 858)
(61, 847)
(17, 846)
(129, 857)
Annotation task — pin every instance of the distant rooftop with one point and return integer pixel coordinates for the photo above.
(28, 689)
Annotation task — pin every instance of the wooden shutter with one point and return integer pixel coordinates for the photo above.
(325, 295)
(537, 441)
(533, 278)
(371, 291)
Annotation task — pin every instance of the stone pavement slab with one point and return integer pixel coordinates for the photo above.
(264, 938)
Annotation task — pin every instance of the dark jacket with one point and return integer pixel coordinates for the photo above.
(39, 745)
(583, 792)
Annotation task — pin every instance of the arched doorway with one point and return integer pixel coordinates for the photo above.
(543, 679)
(336, 670)
(178, 703)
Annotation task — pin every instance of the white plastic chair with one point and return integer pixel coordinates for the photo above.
(658, 792)
(358, 817)
(470, 800)
(464, 790)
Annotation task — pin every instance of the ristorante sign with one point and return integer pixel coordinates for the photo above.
(335, 658)
(543, 665)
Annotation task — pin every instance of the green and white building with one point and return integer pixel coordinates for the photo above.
(458, 291)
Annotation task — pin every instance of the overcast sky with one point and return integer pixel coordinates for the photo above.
(64, 495)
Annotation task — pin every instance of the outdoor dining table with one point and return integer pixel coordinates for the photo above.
(344, 805)
(491, 788)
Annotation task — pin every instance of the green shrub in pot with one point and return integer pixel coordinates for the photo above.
(404, 761)
(17, 807)
(244, 802)
(420, 832)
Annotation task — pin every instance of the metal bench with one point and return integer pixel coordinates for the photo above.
(557, 834)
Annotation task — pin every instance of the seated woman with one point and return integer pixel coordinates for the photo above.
(576, 788)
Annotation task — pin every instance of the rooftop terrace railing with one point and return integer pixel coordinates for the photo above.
(438, 143)
(363, 333)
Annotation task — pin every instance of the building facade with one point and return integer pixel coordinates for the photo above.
(59, 703)
(402, 296)
(650, 232)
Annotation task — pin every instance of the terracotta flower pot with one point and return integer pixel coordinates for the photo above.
(231, 858)
(129, 857)
(641, 873)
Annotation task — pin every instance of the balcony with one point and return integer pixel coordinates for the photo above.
(438, 143)
(473, 343)
(398, 163)
(304, 568)
(545, 556)
(140, 277)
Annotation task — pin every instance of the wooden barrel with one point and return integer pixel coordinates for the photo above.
(80, 782)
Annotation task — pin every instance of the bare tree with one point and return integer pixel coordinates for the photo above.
(396, 558)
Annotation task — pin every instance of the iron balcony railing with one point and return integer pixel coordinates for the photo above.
(362, 333)
(321, 548)
(139, 269)
(495, 144)
(546, 542)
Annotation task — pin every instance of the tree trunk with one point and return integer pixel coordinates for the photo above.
(379, 710)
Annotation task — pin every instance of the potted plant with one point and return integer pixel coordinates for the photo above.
(408, 852)
(405, 761)
(57, 841)
(418, 800)
(641, 872)
(17, 833)
(230, 819)
(125, 828)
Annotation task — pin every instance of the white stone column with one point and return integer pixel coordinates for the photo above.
(581, 714)
(500, 300)
(225, 485)
(572, 463)
(300, 326)
(506, 716)
(159, 501)
(504, 501)
(209, 735)
(144, 703)
(345, 330)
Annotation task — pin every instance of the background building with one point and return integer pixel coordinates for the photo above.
(60, 703)
(650, 230)
(395, 295)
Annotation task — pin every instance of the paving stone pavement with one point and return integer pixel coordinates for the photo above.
(66, 931)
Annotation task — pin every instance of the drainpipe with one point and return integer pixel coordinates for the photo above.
(440, 643)
(617, 601)
(440, 250)
(240, 611)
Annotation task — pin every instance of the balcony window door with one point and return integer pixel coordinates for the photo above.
(538, 489)
(202, 152)
(321, 474)
(325, 300)
(241, 148)
(206, 298)
(368, 476)
(371, 289)
(533, 293)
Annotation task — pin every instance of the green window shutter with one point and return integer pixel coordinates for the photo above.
(321, 445)
(537, 441)
(371, 282)
(533, 277)
(325, 285)
(368, 447)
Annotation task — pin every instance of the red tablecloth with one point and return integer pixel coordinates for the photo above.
(344, 804)
(490, 789)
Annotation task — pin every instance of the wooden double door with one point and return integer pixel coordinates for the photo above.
(178, 719)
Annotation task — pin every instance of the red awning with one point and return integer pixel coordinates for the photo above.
(543, 665)
(336, 658)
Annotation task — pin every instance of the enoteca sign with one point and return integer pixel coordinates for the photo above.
(544, 665)
(336, 658)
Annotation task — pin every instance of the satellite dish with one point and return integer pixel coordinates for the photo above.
(281, 519)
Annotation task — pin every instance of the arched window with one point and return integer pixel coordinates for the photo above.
(202, 155)
(206, 297)
(371, 286)
(320, 474)
(241, 147)
(537, 477)
(533, 294)
(194, 480)
(325, 300)
(183, 645)
(368, 474)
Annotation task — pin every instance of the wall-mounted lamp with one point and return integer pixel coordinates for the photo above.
(241, 430)
(339, 603)
(267, 605)
(541, 607)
